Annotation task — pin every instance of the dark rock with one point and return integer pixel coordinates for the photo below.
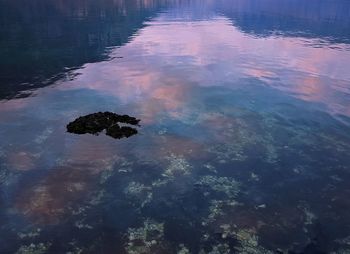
(97, 122)
(120, 132)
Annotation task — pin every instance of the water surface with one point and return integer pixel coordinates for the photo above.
(245, 126)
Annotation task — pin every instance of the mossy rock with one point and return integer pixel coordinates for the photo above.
(97, 122)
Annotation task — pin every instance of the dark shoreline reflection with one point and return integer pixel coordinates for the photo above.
(44, 41)
(326, 20)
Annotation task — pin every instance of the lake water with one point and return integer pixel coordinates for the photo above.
(244, 143)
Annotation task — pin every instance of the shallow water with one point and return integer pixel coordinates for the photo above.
(245, 126)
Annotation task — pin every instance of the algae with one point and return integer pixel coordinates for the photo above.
(227, 185)
(32, 248)
(183, 249)
(145, 238)
(30, 234)
(221, 248)
(139, 192)
(178, 166)
(249, 242)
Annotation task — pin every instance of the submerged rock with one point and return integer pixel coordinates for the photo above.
(97, 122)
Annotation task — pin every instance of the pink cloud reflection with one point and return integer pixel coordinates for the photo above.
(167, 58)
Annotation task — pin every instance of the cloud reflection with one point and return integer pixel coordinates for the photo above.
(167, 58)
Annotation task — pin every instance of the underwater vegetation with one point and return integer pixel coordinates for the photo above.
(97, 122)
(181, 197)
(146, 239)
(40, 248)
